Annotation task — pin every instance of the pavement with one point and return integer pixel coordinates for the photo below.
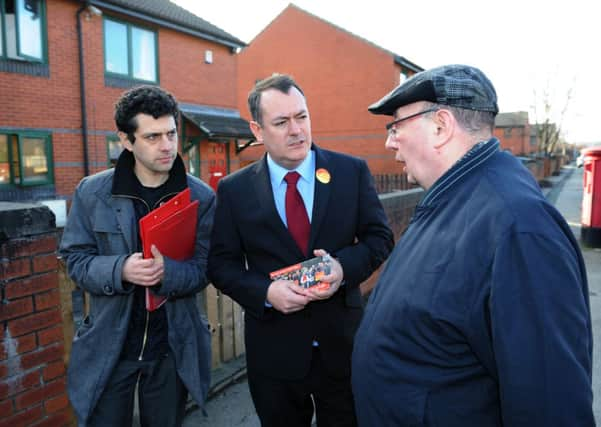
(568, 200)
(232, 405)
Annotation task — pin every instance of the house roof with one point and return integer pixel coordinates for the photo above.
(404, 62)
(514, 119)
(170, 15)
(400, 60)
(216, 122)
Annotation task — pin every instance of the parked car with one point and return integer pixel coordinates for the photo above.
(580, 160)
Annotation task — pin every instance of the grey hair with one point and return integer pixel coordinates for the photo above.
(473, 122)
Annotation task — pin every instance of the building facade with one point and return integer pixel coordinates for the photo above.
(515, 133)
(63, 64)
(341, 75)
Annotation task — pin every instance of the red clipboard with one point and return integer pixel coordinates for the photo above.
(172, 229)
(177, 202)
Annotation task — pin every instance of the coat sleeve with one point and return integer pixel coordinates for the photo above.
(374, 240)
(541, 332)
(89, 265)
(188, 277)
(228, 269)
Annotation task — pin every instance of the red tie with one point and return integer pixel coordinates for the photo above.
(296, 214)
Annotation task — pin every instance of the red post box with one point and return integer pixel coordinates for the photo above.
(591, 198)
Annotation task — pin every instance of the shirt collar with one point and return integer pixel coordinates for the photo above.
(277, 172)
(474, 157)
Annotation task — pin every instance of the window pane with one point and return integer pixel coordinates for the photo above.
(14, 143)
(11, 29)
(4, 164)
(193, 160)
(1, 36)
(115, 45)
(114, 150)
(30, 28)
(143, 54)
(33, 156)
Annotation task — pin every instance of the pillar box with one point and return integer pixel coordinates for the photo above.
(591, 198)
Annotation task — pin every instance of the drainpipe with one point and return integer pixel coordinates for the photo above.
(82, 92)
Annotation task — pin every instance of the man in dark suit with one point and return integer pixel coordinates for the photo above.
(298, 341)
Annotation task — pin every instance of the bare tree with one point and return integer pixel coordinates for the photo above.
(548, 130)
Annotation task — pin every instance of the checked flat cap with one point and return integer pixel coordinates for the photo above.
(459, 86)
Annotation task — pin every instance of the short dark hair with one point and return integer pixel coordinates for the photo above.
(146, 99)
(280, 82)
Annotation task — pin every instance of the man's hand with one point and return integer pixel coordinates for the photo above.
(334, 278)
(286, 296)
(144, 272)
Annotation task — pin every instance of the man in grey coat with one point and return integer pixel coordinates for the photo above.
(120, 344)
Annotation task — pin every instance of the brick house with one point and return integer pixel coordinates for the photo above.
(63, 63)
(515, 133)
(340, 73)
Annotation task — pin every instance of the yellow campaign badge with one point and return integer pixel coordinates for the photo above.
(322, 175)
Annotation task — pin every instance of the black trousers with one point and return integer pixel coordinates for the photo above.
(291, 403)
(161, 395)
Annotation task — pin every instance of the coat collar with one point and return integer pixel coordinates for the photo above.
(124, 188)
(477, 155)
(125, 182)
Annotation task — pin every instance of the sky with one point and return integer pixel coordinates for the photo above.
(531, 50)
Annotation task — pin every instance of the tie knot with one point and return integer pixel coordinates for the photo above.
(292, 178)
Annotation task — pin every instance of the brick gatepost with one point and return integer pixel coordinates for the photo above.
(32, 366)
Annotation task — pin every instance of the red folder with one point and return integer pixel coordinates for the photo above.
(177, 202)
(172, 229)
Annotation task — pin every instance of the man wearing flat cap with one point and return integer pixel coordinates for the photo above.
(481, 316)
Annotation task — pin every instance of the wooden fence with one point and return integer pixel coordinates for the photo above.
(226, 318)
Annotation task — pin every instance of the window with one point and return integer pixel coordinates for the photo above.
(194, 160)
(533, 140)
(191, 150)
(113, 150)
(22, 30)
(25, 159)
(130, 51)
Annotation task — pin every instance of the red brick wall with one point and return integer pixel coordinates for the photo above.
(340, 74)
(50, 102)
(517, 139)
(184, 72)
(41, 102)
(32, 369)
(54, 102)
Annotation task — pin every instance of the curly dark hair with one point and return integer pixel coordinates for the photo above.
(146, 99)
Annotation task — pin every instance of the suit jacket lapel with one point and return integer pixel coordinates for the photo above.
(321, 193)
(264, 194)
